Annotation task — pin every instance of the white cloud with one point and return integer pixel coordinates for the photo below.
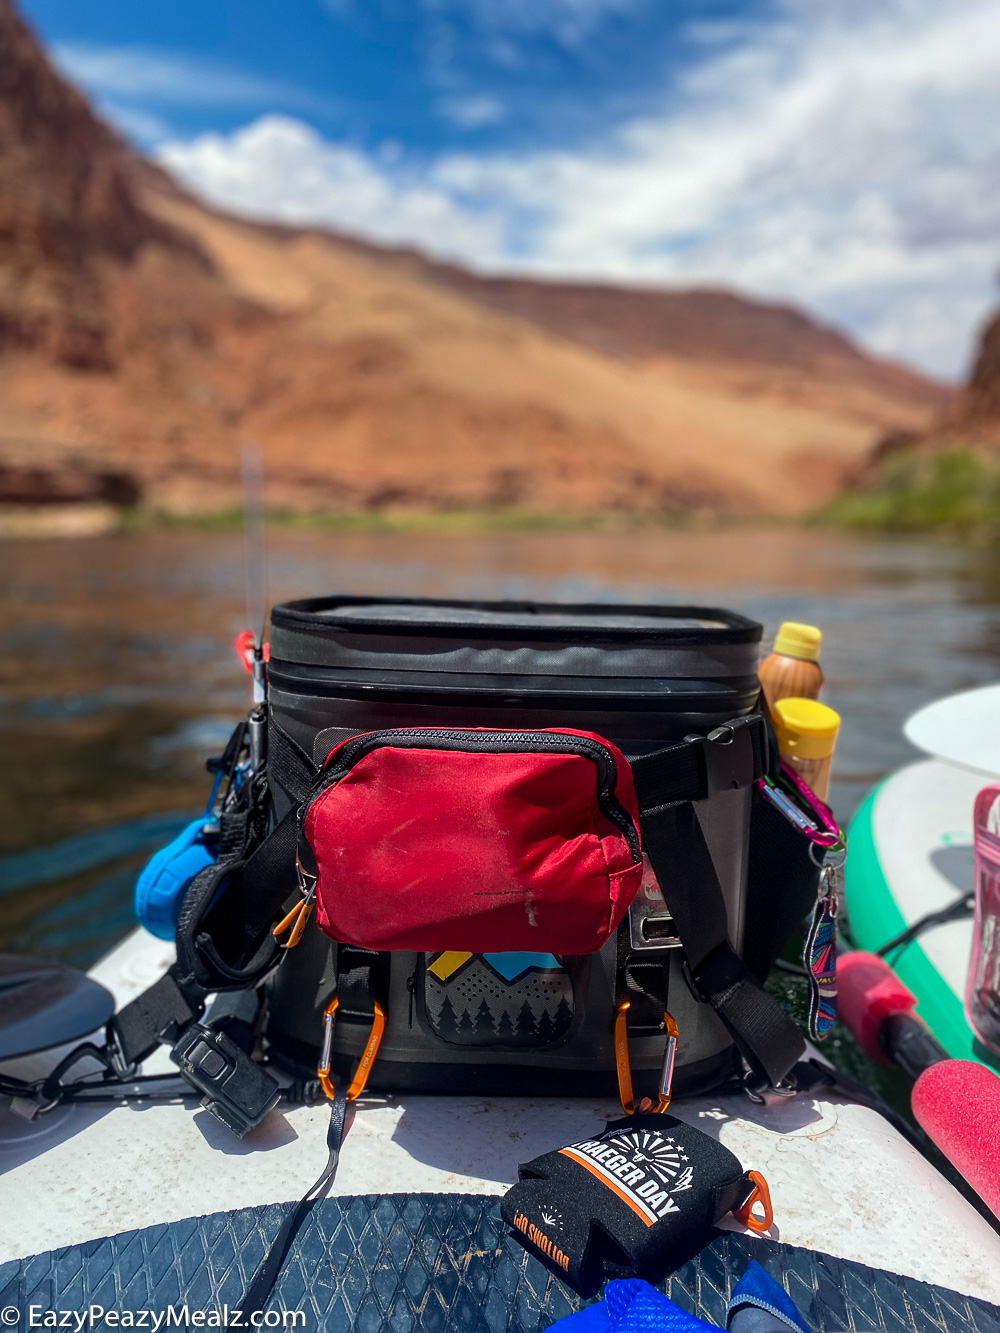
(283, 169)
(165, 78)
(842, 155)
(472, 113)
(569, 22)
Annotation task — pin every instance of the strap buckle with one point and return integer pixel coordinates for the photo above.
(651, 927)
(728, 755)
(357, 1084)
(116, 1054)
(768, 1094)
(624, 1067)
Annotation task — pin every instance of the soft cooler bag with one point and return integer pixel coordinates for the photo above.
(525, 825)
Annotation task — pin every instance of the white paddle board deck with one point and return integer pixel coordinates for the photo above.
(962, 729)
(842, 1181)
(910, 854)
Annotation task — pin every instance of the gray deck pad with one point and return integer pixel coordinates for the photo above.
(432, 1262)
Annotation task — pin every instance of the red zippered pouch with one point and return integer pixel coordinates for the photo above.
(475, 840)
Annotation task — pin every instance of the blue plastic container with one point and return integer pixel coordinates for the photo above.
(160, 888)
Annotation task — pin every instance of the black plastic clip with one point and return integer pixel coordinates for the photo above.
(769, 1094)
(729, 758)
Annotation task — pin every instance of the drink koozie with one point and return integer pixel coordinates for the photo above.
(635, 1201)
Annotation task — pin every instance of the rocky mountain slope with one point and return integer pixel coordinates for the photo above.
(703, 325)
(943, 478)
(976, 414)
(66, 205)
(968, 421)
(144, 336)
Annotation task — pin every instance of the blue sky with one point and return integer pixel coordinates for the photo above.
(428, 74)
(841, 154)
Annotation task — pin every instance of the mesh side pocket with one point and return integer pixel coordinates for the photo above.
(782, 884)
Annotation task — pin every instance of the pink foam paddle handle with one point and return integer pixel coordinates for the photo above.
(869, 992)
(957, 1103)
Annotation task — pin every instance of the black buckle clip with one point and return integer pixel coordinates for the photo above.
(116, 1054)
(728, 755)
(697, 993)
(769, 1094)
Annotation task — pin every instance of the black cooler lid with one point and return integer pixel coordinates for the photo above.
(514, 639)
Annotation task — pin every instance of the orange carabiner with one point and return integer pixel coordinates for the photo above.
(625, 1095)
(667, 1068)
(762, 1195)
(357, 1085)
(624, 1067)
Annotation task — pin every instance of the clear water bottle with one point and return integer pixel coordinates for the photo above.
(982, 996)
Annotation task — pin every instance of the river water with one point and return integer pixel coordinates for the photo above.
(117, 674)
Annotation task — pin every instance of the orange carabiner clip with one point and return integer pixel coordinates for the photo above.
(625, 1095)
(762, 1195)
(667, 1068)
(624, 1067)
(357, 1085)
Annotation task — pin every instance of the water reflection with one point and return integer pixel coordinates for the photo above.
(117, 674)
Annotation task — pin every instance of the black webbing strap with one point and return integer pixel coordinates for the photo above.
(161, 1011)
(288, 765)
(270, 1266)
(268, 877)
(764, 1034)
(732, 756)
(234, 828)
(227, 916)
(666, 783)
(672, 837)
(252, 889)
(224, 930)
(362, 978)
(642, 980)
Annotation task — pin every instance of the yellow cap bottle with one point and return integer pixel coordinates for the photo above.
(796, 640)
(793, 668)
(807, 734)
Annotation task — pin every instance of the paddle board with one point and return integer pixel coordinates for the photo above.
(962, 729)
(910, 854)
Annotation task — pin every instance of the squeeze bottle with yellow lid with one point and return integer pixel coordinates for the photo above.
(807, 733)
(792, 669)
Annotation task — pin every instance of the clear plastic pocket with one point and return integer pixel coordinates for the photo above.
(982, 999)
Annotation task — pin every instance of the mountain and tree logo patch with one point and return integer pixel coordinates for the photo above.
(497, 999)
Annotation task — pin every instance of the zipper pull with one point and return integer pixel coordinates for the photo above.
(411, 987)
